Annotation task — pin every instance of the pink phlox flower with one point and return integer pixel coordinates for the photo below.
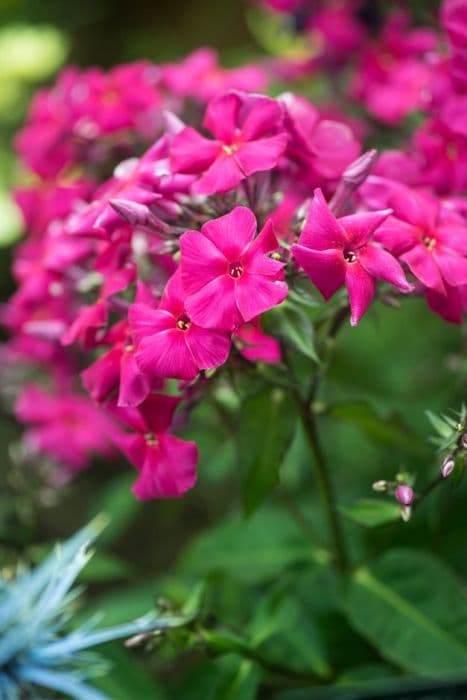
(393, 79)
(255, 345)
(167, 464)
(227, 274)
(117, 368)
(249, 138)
(87, 328)
(334, 252)
(66, 427)
(442, 154)
(323, 147)
(169, 343)
(430, 239)
(200, 76)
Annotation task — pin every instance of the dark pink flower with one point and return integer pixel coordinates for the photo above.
(168, 343)
(249, 138)
(200, 76)
(226, 273)
(432, 241)
(167, 464)
(253, 343)
(66, 427)
(324, 147)
(334, 252)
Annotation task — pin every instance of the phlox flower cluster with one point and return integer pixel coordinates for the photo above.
(156, 243)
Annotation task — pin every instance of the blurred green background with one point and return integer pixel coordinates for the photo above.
(400, 362)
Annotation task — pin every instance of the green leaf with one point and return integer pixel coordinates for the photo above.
(254, 551)
(372, 512)
(389, 431)
(293, 326)
(265, 429)
(441, 426)
(127, 678)
(413, 610)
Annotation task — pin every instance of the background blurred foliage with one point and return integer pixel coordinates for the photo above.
(394, 366)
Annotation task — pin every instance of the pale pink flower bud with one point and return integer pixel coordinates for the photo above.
(404, 494)
(448, 466)
(464, 441)
(358, 171)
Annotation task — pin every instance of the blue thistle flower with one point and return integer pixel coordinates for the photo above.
(35, 649)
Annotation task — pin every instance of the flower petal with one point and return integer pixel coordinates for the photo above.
(361, 288)
(214, 305)
(361, 227)
(167, 355)
(201, 261)
(169, 469)
(322, 230)
(209, 348)
(260, 155)
(192, 153)
(255, 294)
(232, 232)
(382, 265)
(222, 116)
(325, 268)
(223, 175)
(424, 267)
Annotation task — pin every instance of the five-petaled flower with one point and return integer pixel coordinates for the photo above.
(227, 274)
(249, 138)
(340, 251)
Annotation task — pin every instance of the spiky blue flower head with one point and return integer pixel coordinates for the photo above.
(36, 653)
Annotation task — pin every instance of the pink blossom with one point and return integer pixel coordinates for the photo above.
(323, 147)
(253, 343)
(167, 465)
(65, 427)
(432, 241)
(334, 252)
(168, 343)
(201, 77)
(226, 272)
(249, 138)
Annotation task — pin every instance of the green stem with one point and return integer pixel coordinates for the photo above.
(323, 478)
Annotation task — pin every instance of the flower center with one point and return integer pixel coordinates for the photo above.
(236, 269)
(429, 242)
(129, 347)
(183, 322)
(350, 256)
(151, 439)
(230, 150)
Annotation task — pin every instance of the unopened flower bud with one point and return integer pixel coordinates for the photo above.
(406, 512)
(464, 441)
(380, 486)
(404, 494)
(448, 466)
(135, 213)
(358, 171)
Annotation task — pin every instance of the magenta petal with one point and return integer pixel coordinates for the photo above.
(396, 235)
(453, 236)
(419, 210)
(167, 355)
(424, 267)
(361, 288)
(255, 294)
(173, 296)
(169, 469)
(382, 265)
(144, 321)
(221, 117)
(201, 261)
(232, 233)
(264, 116)
(334, 147)
(223, 175)
(360, 227)
(322, 230)
(214, 305)
(325, 268)
(134, 384)
(453, 267)
(100, 378)
(132, 446)
(209, 348)
(448, 305)
(263, 154)
(265, 242)
(192, 153)
(157, 412)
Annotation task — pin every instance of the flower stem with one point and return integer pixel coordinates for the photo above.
(323, 478)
